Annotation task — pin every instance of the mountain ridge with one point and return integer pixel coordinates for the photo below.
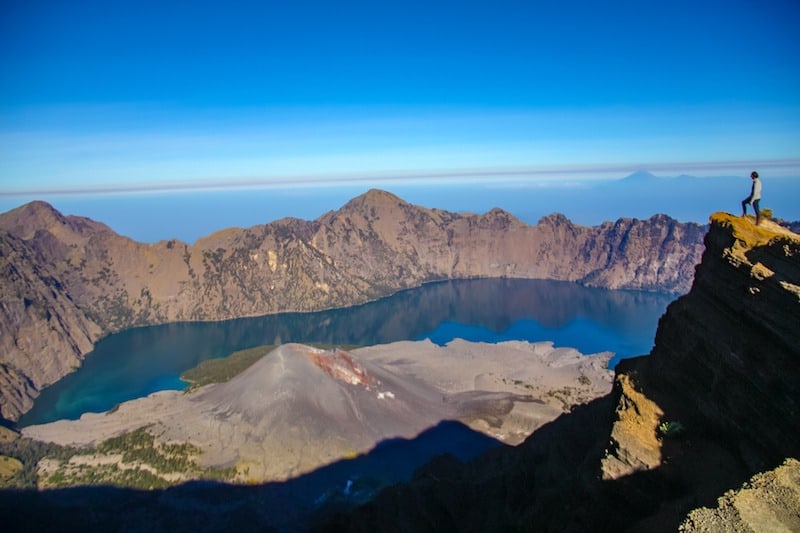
(375, 245)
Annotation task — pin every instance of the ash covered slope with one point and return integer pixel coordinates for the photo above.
(375, 245)
(726, 365)
(300, 408)
(322, 421)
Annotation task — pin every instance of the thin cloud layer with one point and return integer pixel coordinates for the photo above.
(518, 176)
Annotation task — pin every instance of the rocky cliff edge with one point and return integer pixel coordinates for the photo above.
(726, 361)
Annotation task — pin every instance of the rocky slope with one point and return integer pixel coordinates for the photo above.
(299, 431)
(770, 501)
(714, 403)
(44, 332)
(299, 408)
(69, 280)
(727, 355)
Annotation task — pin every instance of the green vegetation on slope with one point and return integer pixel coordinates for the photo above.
(225, 368)
(133, 459)
(29, 452)
(9, 466)
(140, 447)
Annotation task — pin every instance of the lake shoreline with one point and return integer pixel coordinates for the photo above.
(131, 364)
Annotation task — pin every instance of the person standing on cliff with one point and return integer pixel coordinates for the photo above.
(754, 198)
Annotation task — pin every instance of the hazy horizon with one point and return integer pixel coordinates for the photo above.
(190, 214)
(114, 109)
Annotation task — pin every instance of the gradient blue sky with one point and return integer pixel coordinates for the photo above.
(140, 95)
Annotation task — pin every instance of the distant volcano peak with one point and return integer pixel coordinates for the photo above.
(641, 175)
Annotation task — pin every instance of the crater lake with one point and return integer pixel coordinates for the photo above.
(136, 362)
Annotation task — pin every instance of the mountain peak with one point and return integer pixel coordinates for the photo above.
(374, 198)
(379, 195)
(26, 220)
(555, 219)
(640, 176)
(35, 208)
(29, 219)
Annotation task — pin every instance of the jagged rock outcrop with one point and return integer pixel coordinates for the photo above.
(770, 501)
(375, 245)
(726, 359)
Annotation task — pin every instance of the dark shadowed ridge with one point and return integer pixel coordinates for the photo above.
(292, 505)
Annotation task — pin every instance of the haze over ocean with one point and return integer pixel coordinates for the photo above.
(174, 120)
(187, 216)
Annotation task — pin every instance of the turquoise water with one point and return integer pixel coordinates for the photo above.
(137, 362)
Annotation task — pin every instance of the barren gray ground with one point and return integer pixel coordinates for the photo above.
(299, 408)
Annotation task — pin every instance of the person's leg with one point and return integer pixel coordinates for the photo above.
(758, 211)
(744, 205)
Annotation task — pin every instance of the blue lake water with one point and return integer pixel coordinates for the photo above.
(137, 362)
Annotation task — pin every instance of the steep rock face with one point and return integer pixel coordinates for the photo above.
(375, 245)
(45, 334)
(410, 245)
(726, 360)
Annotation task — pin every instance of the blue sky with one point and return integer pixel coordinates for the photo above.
(99, 96)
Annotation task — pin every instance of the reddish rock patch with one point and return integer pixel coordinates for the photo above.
(340, 365)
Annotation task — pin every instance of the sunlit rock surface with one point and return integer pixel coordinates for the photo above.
(727, 355)
(770, 501)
